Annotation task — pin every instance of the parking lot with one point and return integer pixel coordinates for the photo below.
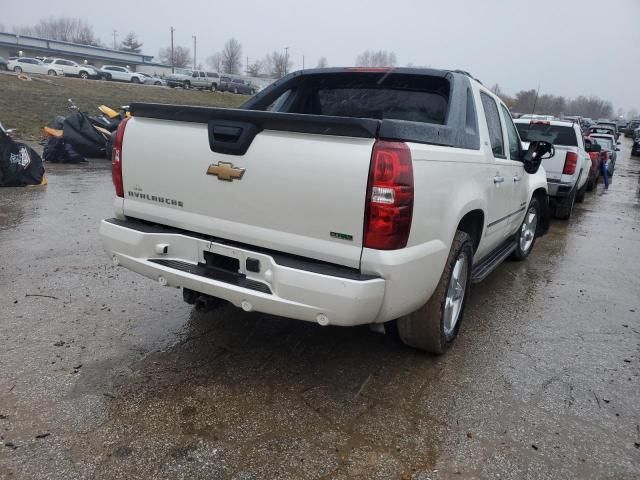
(106, 374)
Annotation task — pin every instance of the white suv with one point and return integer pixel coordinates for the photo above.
(122, 74)
(568, 170)
(72, 69)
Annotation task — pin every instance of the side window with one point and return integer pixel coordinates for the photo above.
(512, 134)
(493, 122)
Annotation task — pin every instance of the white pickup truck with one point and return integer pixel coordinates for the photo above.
(336, 196)
(569, 169)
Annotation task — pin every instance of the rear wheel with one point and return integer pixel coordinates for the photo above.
(564, 208)
(52, 73)
(135, 80)
(214, 87)
(580, 194)
(18, 70)
(527, 233)
(84, 75)
(235, 90)
(187, 85)
(433, 327)
(108, 76)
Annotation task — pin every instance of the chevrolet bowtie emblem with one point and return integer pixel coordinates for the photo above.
(225, 171)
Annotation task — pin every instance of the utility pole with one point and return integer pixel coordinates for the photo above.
(303, 62)
(286, 59)
(115, 32)
(194, 52)
(173, 70)
(247, 71)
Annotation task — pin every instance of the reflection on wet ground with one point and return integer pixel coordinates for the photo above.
(106, 375)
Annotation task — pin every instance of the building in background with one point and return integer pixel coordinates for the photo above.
(13, 45)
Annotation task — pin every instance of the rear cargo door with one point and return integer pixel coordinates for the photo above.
(297, 192)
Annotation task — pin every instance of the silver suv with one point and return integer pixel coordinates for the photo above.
(187, 78)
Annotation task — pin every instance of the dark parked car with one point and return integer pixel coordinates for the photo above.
(236, 85)
(635, 149)
(3, 64)
(631, 126)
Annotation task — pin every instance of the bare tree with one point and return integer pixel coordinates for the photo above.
(322, 63)
(215, 61)
(255, 69)
(181, 56)
(381, 58)
(131, 43)
(231, 56)
(66, 29)
(278, 64)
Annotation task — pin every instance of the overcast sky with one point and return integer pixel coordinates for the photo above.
(569, 47)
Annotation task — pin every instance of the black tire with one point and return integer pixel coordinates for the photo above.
(235, 90)
(590, 184)
(84, 75)
(214, 87)
(157, 83)
(135, 80)
(611, 168)
(564, 208)
(18, 70)
(523, 247)
(581, 192)
(52, 73)
(425, 329)
(186, 85)
(108, 76)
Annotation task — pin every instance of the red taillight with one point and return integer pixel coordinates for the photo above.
(570, 162)
(389, 203)
(116, 158)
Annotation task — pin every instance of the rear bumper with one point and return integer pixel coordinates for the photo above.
(559, 189)
(284, 285)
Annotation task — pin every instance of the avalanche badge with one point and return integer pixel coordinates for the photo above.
(226, 171)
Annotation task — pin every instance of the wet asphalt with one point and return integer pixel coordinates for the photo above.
(107, 375)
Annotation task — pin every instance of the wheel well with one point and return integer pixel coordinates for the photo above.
(545, 211)
(472, 224)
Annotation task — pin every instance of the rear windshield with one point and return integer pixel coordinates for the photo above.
(606, 143)
(557, 135)
(415, 98)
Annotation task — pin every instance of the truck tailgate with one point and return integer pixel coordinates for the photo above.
(303, 193)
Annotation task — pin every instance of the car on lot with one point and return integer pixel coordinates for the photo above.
(3, 64)
(601, 129)
(33, 65)
(73, 69)
(611, 124)
(597, 155)
(200, 79)
(567, 171)
(237, 86)
(635, 148)
(435, 191)
(121, 74)
(610, 147)
(150, 80)
(631, 126)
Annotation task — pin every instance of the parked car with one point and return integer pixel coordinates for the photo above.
(149, 80)
(435, 192)
(3, 64)
(631, 126)
(122, 74)
(610, 147)
(32, 65)
(237, 85)
(600, 129)
(187, 78)
(533, 116)
(611, 124)
(622, 125)
(594, 149)
(635, 148)
(72, 69)
(568, 171)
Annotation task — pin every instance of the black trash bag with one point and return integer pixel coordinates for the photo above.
(81, 134)
(20, 165)
(57, 150)
(57, 122)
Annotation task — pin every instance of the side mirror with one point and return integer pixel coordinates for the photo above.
(594, 147)
(538, 151)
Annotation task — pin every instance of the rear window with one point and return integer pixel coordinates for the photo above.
(415, 98)
(555, 134)
(606, 143)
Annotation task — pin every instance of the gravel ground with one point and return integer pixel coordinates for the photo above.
(105, 374)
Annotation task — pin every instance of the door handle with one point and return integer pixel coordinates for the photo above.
(498, 179)
(516, 179)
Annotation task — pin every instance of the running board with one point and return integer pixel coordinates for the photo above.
(495, 258)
